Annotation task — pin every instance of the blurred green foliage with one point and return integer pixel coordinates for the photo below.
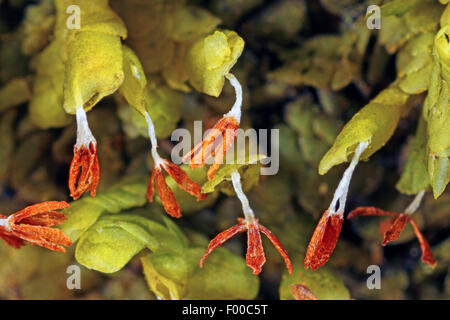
(311, 69)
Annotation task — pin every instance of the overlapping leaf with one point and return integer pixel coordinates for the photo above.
(177, 275)
(210, 58)
(374, 123)
(94, 62)
(415, 176)
(325, 61)
(114, 239)
(83, 213)
(436, 111)
(162, 103)
(408, 19)
(324, 284)
(249, 167)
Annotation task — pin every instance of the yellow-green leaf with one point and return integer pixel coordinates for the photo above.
(248, 167)
(178, 275)
(93, 69)
(14, 93)
(93, 53)
(46, 105)
(375, 123)
(113, 240)
(83, 213)
(134, 85)
(414, 64)
(323, 283)
(187, 202)
(164, 107)
(211, 58)
(415, 176)
(436, 111)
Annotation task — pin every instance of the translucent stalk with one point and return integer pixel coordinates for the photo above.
(342, 190)
(236, 110)
(415, 204)
(151, 133)
(84, 134)
(248, 212)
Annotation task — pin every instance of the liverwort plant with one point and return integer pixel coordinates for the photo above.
(221, 137)
(152, 76)
(255, 257)
(165, 194)
(33, 224)
(84, 172)
(327, 232)
(391, 229)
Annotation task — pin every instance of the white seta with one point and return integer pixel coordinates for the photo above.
(342, 190)
(84, 134)
(151, 133)
(5, 223)
(236, 110)
(248, 212)
(415, 204)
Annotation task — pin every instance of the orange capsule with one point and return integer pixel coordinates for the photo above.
(33, 224)
(220, 138)
(323, 240)
(84, 172)
(255, 257)
(166, 195)
(393, 228)
(302, 292)
(216, 144)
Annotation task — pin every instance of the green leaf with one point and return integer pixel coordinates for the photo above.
(83, 213)
(436, 111)
(38, 25)
(107, 248)
(211, 58)
(14, 93)
(164, 108)
(94, 64)
(93, 69)
(113, 240)
(374, 123)
(46, 105)
(415, 176)
(398, 7)
(414, 64)
(420, 17)
(316, 131)
(96, 16)
(163, 104)
(223, 276)
(134, 85)
(325, 61)
(187, 202)
(323, 283)
(188, 23)
(248, 167)
(445, 18)
(179, 276)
